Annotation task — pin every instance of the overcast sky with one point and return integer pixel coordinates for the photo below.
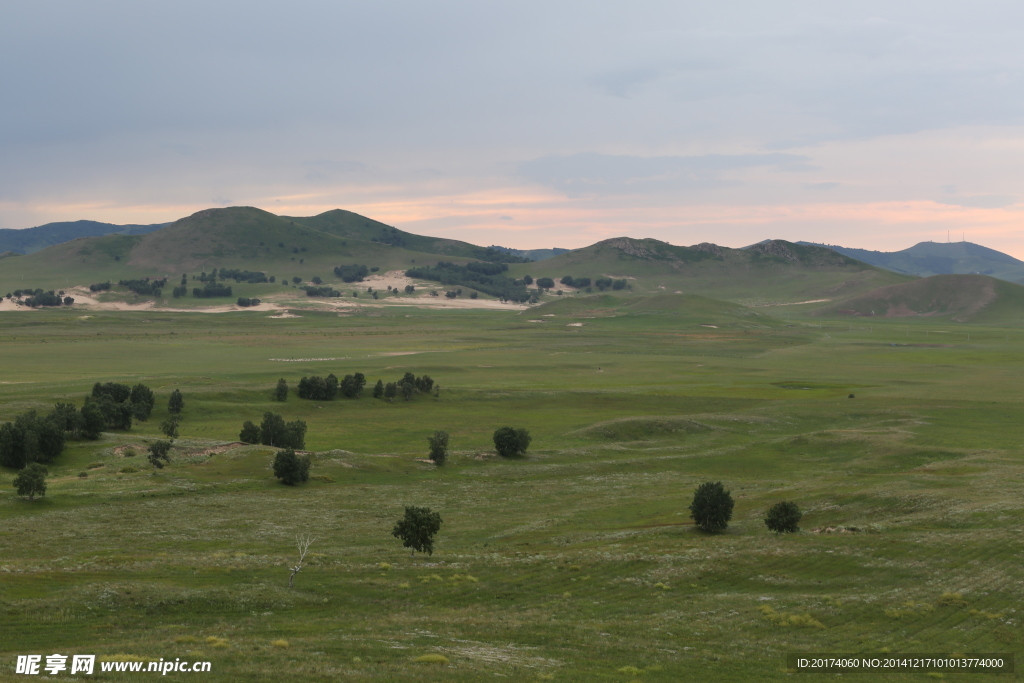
(525, 124)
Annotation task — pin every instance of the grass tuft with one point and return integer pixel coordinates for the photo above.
(280, 642)
(431, 659)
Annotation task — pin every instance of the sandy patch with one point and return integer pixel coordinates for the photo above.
(305, 360)
(792, 303)
(536, 321)
(548, 315)
(575, 325)
(714, 326)
(400, 353)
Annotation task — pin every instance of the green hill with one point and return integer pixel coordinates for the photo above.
(942, 258)
(237, 237)
(773, 271)
(961, 298)
(30, 240)
(699, 310)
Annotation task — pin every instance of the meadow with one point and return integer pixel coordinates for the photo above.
(578, 562)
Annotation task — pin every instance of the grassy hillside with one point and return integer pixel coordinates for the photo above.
(239, 237)
(961, 298)
(678, 308)
(942, 258)
(31, 240)
(771, 271)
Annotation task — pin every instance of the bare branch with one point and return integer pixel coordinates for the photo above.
(302, 543)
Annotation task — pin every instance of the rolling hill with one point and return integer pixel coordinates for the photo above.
(773, 271)
(32, 240)
(960, 298)
(698, 310)
(940, 258)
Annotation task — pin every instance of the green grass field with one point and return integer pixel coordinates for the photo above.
(578, 562)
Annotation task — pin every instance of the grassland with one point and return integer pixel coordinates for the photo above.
(575, 563)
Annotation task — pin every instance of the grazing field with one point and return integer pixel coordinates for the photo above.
(578, 562)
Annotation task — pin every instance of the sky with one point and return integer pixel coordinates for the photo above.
(525, 124)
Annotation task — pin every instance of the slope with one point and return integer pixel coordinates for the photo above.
(941, 258)
(31, 240)
(774, 271)
(347, 224)
(960, 298)
(698, 310)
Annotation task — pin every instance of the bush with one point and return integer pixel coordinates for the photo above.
(510, 441)
(417, 529)
(281, 390)
(438, 447)
(250, 433)
(290, 468)
(175, 404)
(711, 508)
(159, 453)
(783, 518)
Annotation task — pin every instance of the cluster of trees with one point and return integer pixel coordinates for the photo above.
(352, 273)
(245, 302)
(500, 255)
(325, 388)
(545, 283)
(409, 385)
(603, 283)
(145, 286)
(511, 442)
(211, 290)
(326, 290)
(291, 468)
(32, 438)
(99, 286)
(485, 277)
(48, 299)
(250, 276)
(274, 431)
(578, 282)
(390, 236)
(712, 506)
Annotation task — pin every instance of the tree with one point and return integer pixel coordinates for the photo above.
(250, 433)
(783, 517)
(30, 438)
(142, 401)
(175, 404)
(378, 389)
(527, 279)
(31, 481)
(272, 430)
(302, 542)
(711, 508)
(417, 529)
(407, 389)
(545, 283)
(159, 453)
(290, 468)
(281, 391)
(438, 447)
(390, 391)
(93, 423)
(68, 418)
(510, 441)
(170, 427)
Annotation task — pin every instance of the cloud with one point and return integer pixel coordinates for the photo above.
(821, 186)
(592, 173)
(980, 201)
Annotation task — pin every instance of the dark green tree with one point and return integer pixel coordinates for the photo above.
(31, 481)
(142, 401)
(93, 423)
(272, 430)
(175, 404)
(159, 453)
(438, 447)
(711, 508)
(390, 391)
(66, 415)
(116, 415)
(378, 389)
(417, 529)
(170, 427)
(281, 390)
(783, 517)
(290, 468)
(407, 389)
(250, 433)
(30, 438)
(510, 441)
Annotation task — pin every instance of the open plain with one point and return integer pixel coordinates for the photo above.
(899, 438)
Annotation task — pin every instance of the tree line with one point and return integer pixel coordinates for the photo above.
(485, 277)
(318, 388)
(145, 286)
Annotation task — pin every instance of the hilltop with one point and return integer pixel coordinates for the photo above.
(961, 298)
(940, 258)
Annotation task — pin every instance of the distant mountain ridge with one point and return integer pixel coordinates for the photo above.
(31, 240)
(940, 258)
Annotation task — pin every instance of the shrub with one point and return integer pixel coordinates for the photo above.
(281, 643)
(783, 517)
(711, 508)
(290, 468)
(83, 475)
(510, 441)
(128, 469)
(431, 659)
(250, 433)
